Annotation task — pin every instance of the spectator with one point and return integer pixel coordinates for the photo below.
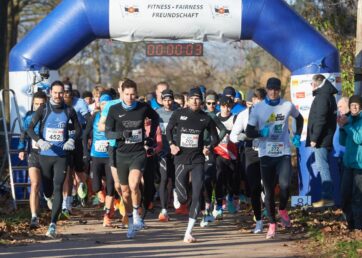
(351, 186)
(321, 127)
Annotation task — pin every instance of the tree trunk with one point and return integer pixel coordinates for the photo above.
(3, 41)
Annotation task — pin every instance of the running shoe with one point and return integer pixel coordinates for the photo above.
(189, 239)
(264, 213)
(271, 231)
(284, 218)
(218, 214)
(323, 203)
(209, 217)
(52, 231)
(258, 227)
(176, 202)
(138, 224)
(107, 220)
(204, 222)
(49, 202)
(182, 210)
(163, 217)
(131, 232)
(34, 223)
(231, 207)
(64, 215)
(82, 191)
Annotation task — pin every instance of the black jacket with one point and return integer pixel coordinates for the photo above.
(322, 119)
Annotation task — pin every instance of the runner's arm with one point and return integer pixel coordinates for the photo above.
(34, 120)
(151, 114)
(77, 128)
(169, 129)
(213, 134)
(87, 133)
(102, 124)
(299, 123)
(111, 126)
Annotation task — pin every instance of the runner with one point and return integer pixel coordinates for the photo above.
(166, 165)
(226, 158)
(76, 164)
(189, 150)
(125, 124)
(39, 99)
(54, 143)
(100, 160)
(252, 161)
(210, 160)
(268, 121)
(156, 102)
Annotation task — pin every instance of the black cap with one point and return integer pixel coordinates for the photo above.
(355, 99)
(195, 92)
(167, 94)
(225, 100)
(68, 87)
(273, 83)
(230, 91)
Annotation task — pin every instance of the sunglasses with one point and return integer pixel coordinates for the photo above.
(211, 103)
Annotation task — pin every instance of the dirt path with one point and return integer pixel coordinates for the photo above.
(224, 239)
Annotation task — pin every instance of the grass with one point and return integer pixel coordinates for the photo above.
(351, 249)
(21, 215)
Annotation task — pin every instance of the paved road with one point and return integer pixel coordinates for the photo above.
(224, 239)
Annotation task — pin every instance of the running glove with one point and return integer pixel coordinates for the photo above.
(296, 140)
(44, 145)
(264, 132)
(69, 145)
(242, 137)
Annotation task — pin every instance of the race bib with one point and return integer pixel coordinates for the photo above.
(189, 140)
(274, 148)
(136, 137)
(101, 145)
(54, 135)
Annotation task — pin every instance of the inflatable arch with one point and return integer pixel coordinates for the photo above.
(272, 24)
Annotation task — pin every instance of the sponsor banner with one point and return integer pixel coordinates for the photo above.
(137, 20)
(22, 83)
(302, 94)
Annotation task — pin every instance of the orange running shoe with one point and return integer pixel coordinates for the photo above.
(183, 210)
(107, 220)
(163, 217)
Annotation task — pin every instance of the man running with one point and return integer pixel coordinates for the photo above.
(54, 143)
(167, 168)
(189, 151)
(268, 121)
(39, 99)
(125, 124)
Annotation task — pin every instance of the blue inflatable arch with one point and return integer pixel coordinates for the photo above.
(272, 24)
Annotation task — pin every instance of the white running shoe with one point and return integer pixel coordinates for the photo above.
(176, 202)
(49, 202)
(131, 232)
(189, 239)
(258, 227)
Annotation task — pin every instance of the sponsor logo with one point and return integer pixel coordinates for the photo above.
(221, 11)
(279, 117)
(304, 108)
(120, 116)
(202, 119)
(183, 118)
(131, 9)
(300, 95)
(295, 83)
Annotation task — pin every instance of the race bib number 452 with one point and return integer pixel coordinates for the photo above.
(274, 148)
(189, 140)
(54, 135)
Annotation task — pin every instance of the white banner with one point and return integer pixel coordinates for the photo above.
(202, 20)
(302, 94)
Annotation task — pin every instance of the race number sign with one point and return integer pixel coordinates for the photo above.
(300, 201)
(54, 135)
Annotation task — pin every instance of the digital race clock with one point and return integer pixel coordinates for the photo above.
(174, 49)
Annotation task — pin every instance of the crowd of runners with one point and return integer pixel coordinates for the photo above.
(199, 152)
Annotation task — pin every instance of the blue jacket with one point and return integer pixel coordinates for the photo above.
(351, 138)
